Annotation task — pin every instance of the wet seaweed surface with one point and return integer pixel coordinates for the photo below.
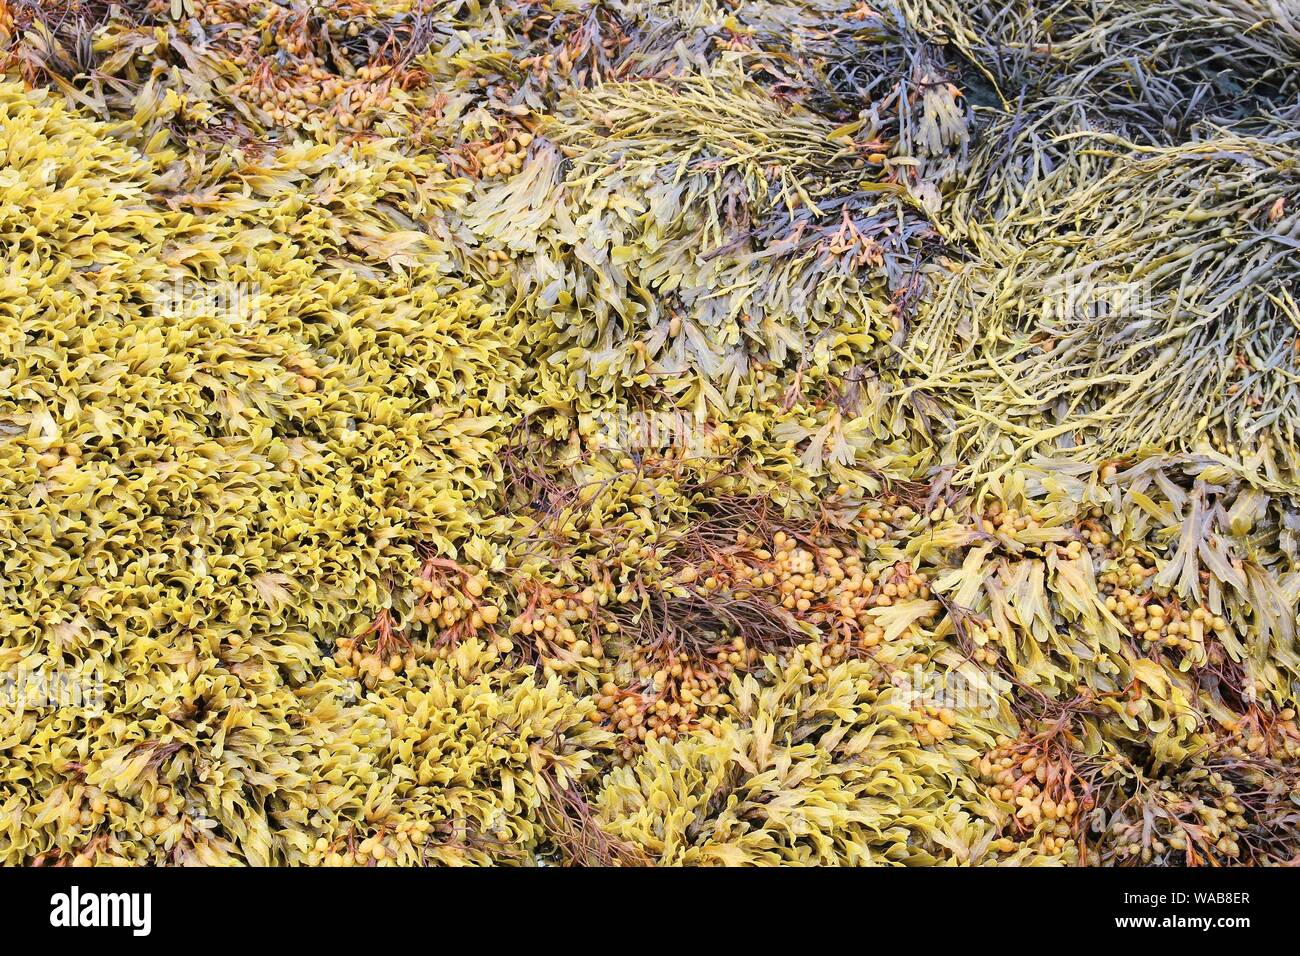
(613, 432)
